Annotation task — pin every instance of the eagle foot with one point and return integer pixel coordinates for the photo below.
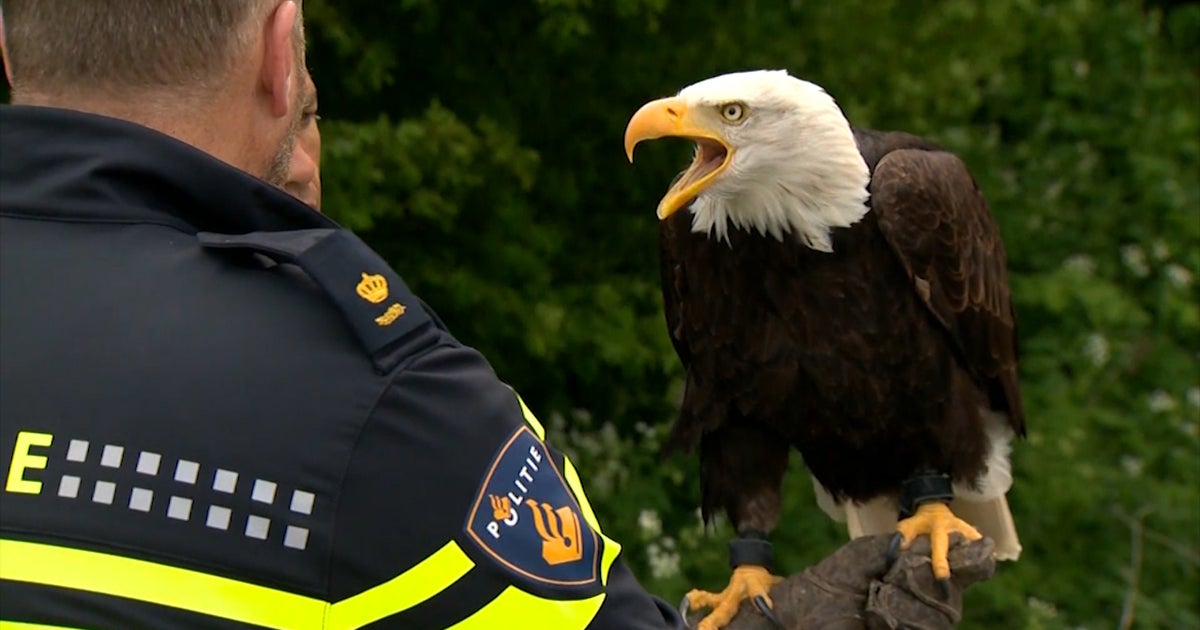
(747, 582)
(937, 521)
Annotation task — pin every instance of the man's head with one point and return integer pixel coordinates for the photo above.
(227, 76)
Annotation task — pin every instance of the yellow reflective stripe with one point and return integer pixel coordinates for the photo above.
(572, 477)
(531, 419)
(406, 590)
(158, 584)
(611, 547)
(20, 625)
(515, 608)
(217, 596)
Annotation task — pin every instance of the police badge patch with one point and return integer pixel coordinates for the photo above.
(528, 520)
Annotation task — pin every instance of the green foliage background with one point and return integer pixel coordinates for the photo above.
(477, 144)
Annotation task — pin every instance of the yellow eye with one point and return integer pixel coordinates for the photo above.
(733, 112)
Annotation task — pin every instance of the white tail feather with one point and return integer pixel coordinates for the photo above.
(992, 518)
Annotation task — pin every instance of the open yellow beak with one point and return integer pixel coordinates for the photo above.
(670, 117)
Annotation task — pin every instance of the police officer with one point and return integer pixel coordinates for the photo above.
(221, 410)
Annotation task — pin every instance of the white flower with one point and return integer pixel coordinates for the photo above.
(1044, 608)
(1132, 465)
(650, 523)
(1135, 259)
(1160, 249)
(1160, 401)
(1178, 275)
(1096, 349)
(664, 563)
(1193, 396)
(1081, 263)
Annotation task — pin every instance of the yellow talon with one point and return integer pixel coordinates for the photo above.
(936, 520)
(747, 582)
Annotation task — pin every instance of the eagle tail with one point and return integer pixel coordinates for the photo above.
(877, 516)
(993, 519)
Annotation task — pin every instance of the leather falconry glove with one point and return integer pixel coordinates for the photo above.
(854, 589)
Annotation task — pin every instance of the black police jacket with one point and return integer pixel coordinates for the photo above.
(218, 409)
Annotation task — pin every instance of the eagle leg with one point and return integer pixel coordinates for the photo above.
(929, 493)
(750, 557)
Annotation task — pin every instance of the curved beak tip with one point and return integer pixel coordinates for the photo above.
(663, 117)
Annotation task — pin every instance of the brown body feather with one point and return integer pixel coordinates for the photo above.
(873, 361)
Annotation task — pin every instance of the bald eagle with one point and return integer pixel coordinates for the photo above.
(842, 292)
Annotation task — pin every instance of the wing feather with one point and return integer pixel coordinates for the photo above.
(935, 219)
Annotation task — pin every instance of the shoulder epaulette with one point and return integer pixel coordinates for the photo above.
(376, 303)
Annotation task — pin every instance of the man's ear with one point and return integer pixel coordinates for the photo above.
(278, 61)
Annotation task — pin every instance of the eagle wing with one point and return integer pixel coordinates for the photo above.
(935, 219)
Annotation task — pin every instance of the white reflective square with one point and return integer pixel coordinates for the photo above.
(140, 499)
(111, 457)
(302, 502)
(264, 491)
(180, 508)
(225, 481)
(68, 487)
(218, 517)
(186, 471)
(257, 527)
(104, 492)
(148, 463)
(295, 537)
(77, 451)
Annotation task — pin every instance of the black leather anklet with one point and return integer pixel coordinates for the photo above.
(921, 488)
(751, 548)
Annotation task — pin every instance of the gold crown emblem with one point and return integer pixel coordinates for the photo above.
(373, 288)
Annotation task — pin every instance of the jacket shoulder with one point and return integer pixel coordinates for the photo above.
(375, 304)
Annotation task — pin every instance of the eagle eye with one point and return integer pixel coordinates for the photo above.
(733, 112)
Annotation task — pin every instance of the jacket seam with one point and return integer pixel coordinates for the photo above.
(395, 373)
(180, 226)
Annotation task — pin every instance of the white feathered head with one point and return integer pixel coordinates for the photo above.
(774, 154)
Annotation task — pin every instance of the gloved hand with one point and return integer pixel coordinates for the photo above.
(853, 589)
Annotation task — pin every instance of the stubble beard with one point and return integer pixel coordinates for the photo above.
(277, 171)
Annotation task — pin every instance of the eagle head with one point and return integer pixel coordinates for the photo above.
(773, 153)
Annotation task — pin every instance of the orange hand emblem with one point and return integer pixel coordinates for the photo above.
(560, 533)
(501, 507)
